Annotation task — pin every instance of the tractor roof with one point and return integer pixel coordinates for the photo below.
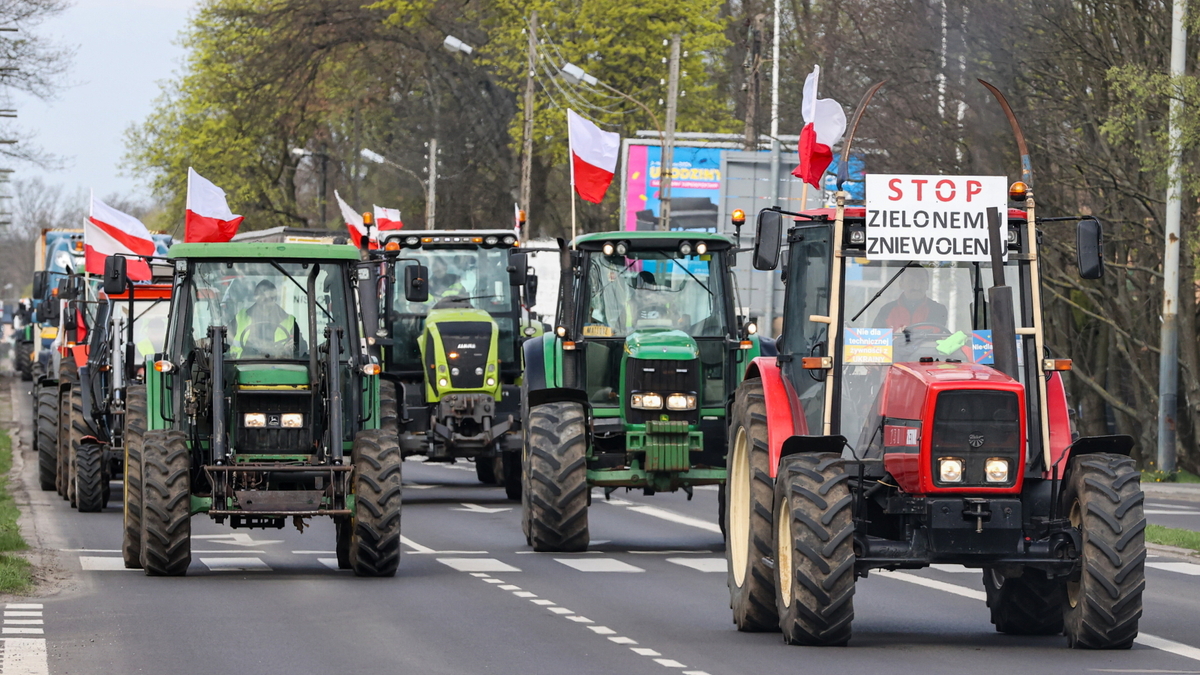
(309, 252)
(652, 240)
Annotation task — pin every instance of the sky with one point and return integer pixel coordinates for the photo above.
(124, 49)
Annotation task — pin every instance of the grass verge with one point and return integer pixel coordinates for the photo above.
(15, 571)
(1173, 536)
(1179, 476)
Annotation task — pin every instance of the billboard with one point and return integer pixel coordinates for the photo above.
(695, 188)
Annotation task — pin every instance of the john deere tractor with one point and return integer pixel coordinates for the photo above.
(265, 406)
(631, 390)
(455, 357)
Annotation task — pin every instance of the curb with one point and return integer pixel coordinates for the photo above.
(1189, 492)
(1175, 552)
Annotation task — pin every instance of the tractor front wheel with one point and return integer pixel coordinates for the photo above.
(1029, 604)
(135, 428)
(73, 398)
(557, 506)
(47, 437)
(166, 504)
(89, 477)
(748, 513)
(510, 466)
(375, 537)
(1103, 499)
(814, 550)
(22, 360)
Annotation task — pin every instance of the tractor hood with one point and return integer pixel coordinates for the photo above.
(661, 344)
(271, 376)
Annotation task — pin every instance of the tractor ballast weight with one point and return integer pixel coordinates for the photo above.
(632, 387)
(897, 439)
(265, 406)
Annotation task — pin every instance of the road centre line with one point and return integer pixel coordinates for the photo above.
(1145, 639)
(664, 514)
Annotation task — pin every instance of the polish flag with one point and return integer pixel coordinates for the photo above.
(593, 157)
(388, 219)
(355, 224)
(208, 216)
(108, 231)
(824, 124)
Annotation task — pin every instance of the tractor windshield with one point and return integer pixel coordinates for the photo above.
(149, 324)
(925, 311)
(264, 306)
(653, 290)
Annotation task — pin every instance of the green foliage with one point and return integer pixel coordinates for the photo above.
(1173, 536)
(1178, 476)
(15, 572)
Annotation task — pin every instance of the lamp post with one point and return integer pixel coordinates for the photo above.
(376, 158)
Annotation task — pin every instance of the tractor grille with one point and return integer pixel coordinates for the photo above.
(661, 377)
(470, 340)
(976, 425)
(272, 439)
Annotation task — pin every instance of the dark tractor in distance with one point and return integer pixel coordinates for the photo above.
(454, 357)
(265, 406)
(632, 388)
(914, 416)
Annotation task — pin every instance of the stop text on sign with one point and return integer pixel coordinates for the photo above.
(932, 218)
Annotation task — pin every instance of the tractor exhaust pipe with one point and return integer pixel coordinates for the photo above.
(1000, 297)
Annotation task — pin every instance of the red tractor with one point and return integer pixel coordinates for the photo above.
(914, 416)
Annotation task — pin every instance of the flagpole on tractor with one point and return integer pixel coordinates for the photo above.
(571, 162)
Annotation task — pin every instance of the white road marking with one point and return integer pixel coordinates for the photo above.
(476, 508)
(1163, 644)
(1154, 505)
(677, 518)
(235, 564)
(670, 551)
(524, 594)
(694, 672)
(955, 569)
(331, 563)
(314, 552)
(510, 587)
(22, 631)
(418, 549)
(237, 539)
(643, 651)
(90, 550)
(669, 663)
(415, 486)
(24, 622)
(1180, 567)
(477, 565)
(623, 640)
(598, 565)
(23, 605)
(542, 601)
(561, 610)
(34, 613)
(92, 563)
(494, 581)
(24, 656)
(578, 619)
(1163, 512)
(702, 564)
(602, 630)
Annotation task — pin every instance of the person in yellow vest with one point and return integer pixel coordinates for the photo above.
(145, 346)
(444, 283)
(265, 328)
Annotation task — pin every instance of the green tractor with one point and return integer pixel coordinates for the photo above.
(455, 357)
(633, 388)
(265, 406)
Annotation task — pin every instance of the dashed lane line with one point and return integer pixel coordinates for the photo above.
(478, 565)
(1154, 641)
(702, 564)
(573, 617)
(1188, 568)
(598, 565)
(235, 564)
(418, 549)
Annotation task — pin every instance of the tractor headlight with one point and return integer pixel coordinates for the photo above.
(255, 420)
(510, 240)
(622, 247)
(479, 370)
(647, 401)
(412, 241)
(442, 382)
(609, 249)
(685, 249)
(492, 240)
(951, 469)
(996, 470)
(681, 402)
(701, 248)
(291, 420)
(491, 382)
(454, 372)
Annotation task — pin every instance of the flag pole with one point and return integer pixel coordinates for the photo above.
(571, 161)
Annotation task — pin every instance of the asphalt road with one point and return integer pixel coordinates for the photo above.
(471, 597)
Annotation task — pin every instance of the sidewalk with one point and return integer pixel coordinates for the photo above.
(1182, 491)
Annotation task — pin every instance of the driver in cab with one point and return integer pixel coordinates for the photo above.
(914, 306)
(264, 328)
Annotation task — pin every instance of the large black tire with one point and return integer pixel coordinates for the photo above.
(47, 436)
(21, 360)
(814, 550)
(89, 477)
(485, 470)
(510, 465)
(389, 417)
(343, 533)
(557, 478)
(68, 373)
(721, 499)
(748, 513)
(1030, 604)
(79, 430)
(135, 429)
(1103, 498)
(375, 539)
(166, 504)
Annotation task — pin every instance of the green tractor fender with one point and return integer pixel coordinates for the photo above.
(542, 380)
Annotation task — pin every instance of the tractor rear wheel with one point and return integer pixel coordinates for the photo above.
(750, 493)
(557, 478)
(343, 533)
(166, 504)
(135, 428)
(79, 430)
(1029, 604)
(389, 418)
(1103, 498)
(89, 477)
(375, 537)
(814, 550)
(47, 437)
(721, 498)
(510, 465)
(21, 359)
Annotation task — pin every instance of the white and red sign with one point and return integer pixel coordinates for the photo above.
(208, 216)
(108, 231)
(388, 219)
(594, 155)
(824, 124)
(932, 218)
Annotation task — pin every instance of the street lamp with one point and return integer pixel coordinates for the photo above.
(453, 44)
(301, 153)
(376, 158)
(573, 74)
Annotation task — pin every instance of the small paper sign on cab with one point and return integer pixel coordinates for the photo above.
(932, 218)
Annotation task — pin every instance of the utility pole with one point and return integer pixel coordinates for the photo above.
(752, 65)
(1168, 362)
(431, 193)
(527, 155)
(668, 150)
(324, 188)
(769, 314)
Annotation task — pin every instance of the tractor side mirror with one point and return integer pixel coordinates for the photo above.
(39, 284)
(518, 269)
(766, 239)
(416, 283)
(531, 284)
(1089, 248)
(115, 279)
(69, 321)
